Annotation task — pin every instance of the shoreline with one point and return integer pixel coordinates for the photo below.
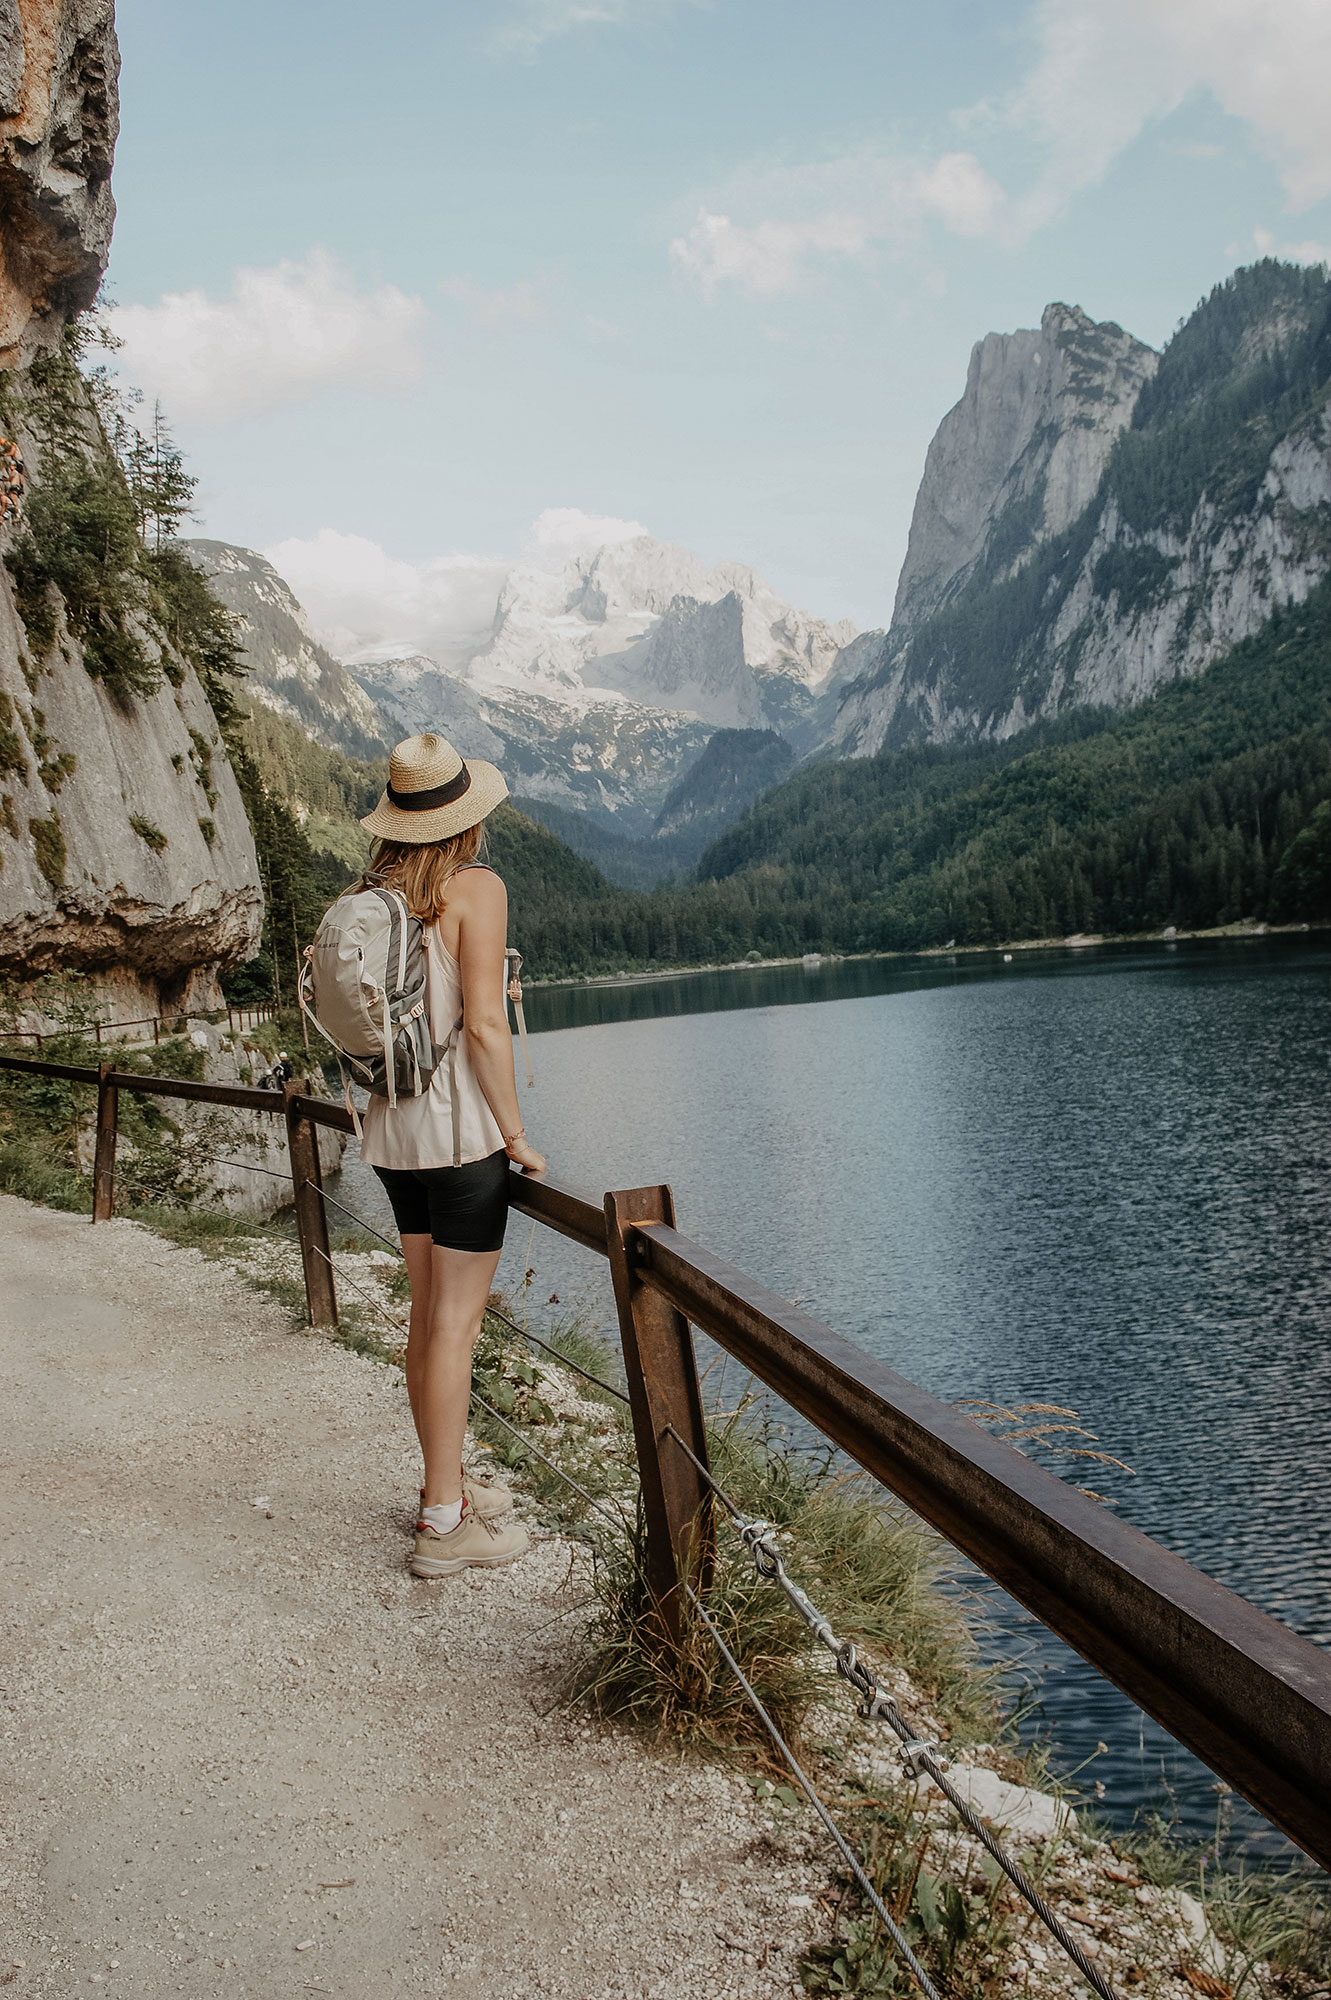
(1077, 941)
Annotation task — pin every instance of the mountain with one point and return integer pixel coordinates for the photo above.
(286, 667)
(735, 768)
(1093, 525)
(1205, 804)
(649, 619)
(595, 692)
(1021, 455)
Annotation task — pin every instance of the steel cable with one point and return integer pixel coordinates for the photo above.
(916, 1754)
(884, 1915)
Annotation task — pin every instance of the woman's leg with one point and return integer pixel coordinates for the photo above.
(460, 1282)
(418, 1253)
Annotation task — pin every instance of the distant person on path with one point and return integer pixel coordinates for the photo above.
(451, 1218)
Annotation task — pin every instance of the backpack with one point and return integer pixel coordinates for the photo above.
(363, 986)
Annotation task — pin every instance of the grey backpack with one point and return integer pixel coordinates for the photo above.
(363, 986)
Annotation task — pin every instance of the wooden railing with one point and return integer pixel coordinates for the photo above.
(239, 1019)
(1249, 1697)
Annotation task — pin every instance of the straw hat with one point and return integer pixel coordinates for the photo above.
(433, 793)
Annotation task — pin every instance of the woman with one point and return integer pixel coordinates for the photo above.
(429, 828)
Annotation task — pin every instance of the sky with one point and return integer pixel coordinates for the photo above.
(437, 286)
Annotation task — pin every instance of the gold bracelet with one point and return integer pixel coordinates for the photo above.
(520, 1134)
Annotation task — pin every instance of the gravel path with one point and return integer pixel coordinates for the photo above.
(242, 1752)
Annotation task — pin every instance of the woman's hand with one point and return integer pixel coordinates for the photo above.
(524, 1155)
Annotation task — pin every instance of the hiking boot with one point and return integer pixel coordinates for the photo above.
(484, 1495)
(475, 1543)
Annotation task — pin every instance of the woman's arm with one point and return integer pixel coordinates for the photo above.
(480, 902)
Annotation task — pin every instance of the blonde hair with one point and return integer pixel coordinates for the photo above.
(422, 873)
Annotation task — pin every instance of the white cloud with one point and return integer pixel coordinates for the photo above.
(841, 208)
(1266, 244)
(362, 600)
(766, 257)
(561, 532)
(287, 332)
(1101, 72)
(1105, 69)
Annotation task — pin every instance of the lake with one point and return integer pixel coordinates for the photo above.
(1092, 1177)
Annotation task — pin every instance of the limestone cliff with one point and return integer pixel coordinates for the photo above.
(1020, 456)
(1209, 509)
(58, 122)
(125, 850)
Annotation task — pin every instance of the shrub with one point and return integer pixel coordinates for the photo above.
(146, 831)
(48, 842)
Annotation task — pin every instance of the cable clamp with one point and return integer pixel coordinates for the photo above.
(914, 1751)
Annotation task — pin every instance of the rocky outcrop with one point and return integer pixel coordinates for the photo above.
(287, 669)
(1210, 512)
(125, 850)
(693, 660)
(1021, 455)
(59, 117)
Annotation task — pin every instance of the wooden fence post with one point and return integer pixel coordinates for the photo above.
(662, 1375)
(104, 1159)
(311, 1215)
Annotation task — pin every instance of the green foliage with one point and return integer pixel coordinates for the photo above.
(1248, 364)
(200, 629)
(1301, 887)
(147, 832)
(1177, 811)
(48, 842)
(80, 538)
(11, 743)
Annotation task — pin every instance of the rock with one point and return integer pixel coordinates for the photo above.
(151, 910)
(59, 116)
(1015, 1809)
(1157, 573)
(1032, 432)
(1205, 1948)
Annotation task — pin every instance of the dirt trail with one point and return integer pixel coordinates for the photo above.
(242, 1752)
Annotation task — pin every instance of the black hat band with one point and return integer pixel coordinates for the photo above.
(438, 795)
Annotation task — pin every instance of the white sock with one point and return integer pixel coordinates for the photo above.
(443, 1518)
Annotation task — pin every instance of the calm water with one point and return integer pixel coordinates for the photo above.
(1097, 1179)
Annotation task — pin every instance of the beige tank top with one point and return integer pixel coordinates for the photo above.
(419, 1132)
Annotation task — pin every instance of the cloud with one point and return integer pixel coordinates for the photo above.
(1266, 244)
(362, 600)
(1100, 72)
(287, 332)
(842, 208)
(766, 257)
(365, 603)
(561, 532)
(1105, 69)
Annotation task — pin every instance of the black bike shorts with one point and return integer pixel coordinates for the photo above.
(461, 1208)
